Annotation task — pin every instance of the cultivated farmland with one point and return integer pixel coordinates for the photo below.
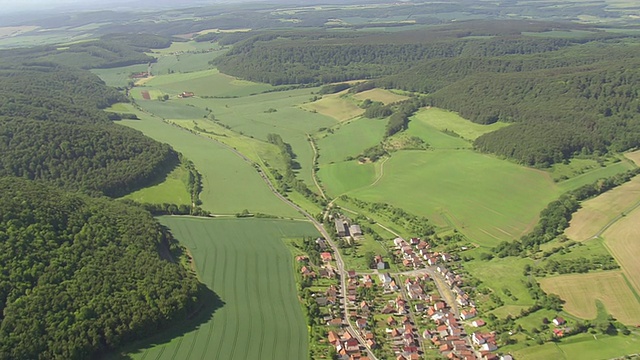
(206, 83)
(634, 156)
(230, 185)
(622, 240)
(245, 262)
(580, 291)
(596, 213)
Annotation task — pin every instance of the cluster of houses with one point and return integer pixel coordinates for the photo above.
(347, 347)
(359, 312)
(416, 253)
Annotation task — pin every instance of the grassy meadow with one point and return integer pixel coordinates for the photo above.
(582, 346)
(335, 106)
(206, 83)
(230, 185)
(488, 199)
(447, 120)
(349, 139)
(172, 189)
(245, 262)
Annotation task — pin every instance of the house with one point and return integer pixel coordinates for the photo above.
(334, 322)
(380, 264)
(478, 323)
(414, 241)
(385, 278)
(399, 242)
(468, 314)
(558, 333)
(559, 321)
(322, 243)
(186, 94)
(300, 258)
(341, 228)
(361, 323)
(325, 256)
(354, 230)
(391, 321)
(333, 337)
(489, 346)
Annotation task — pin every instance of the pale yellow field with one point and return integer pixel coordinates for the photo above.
(634, 156)
(384, 96)
(580, 291)
(599, 211)
(335, 106)
(7, 31)
(623, 241)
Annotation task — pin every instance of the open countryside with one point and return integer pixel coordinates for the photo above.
(409, 180)
(245, 262)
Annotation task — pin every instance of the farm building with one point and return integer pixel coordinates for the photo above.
(355, 230)
(341, 227)
(186, 94)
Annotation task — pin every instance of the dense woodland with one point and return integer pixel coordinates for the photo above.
(51, 128)
(567, 96)
(81, 275)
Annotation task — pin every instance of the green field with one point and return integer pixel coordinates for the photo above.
(119, 77)
(350, 139)
(448, 120)
(343, 177)
(418, 126)
(250, 116)
(245, 262)
(206, 83)
(172, 189)
(488, 199)
(230, 185)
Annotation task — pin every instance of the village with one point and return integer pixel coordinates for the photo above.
(407, 315)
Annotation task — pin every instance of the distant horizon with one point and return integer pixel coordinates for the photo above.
(38, 6)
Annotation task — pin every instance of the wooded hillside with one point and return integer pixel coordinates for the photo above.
(80, 275)
(568, 95)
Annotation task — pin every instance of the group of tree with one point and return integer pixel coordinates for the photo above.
(80, 275)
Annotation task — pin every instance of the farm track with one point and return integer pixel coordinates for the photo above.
(314, 175)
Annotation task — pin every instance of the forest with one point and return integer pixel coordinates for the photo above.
(82, 275)
(567, 96)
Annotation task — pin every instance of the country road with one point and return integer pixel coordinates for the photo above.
(323, 232)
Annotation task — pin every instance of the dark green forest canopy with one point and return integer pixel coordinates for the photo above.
(52, 128)
(568, 96)
(81, 275)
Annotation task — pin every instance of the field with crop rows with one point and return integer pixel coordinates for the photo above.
(245, 262)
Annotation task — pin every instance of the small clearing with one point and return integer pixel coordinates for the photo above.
(381, 95)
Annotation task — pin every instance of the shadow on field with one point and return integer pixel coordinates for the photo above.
(209, 304)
